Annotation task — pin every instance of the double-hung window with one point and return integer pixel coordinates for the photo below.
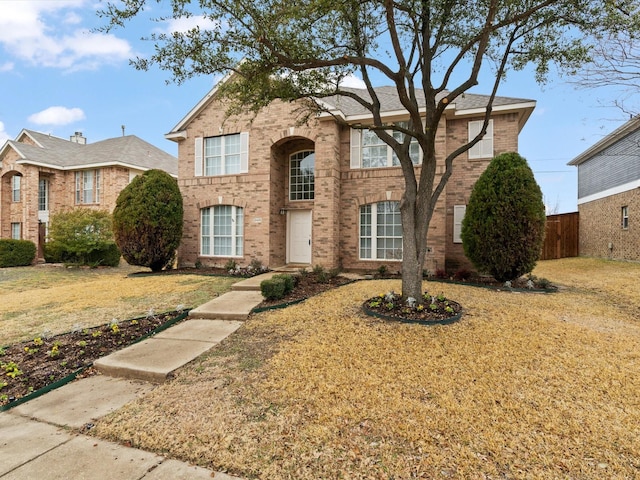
(380, 231)
(222, 229)
(484, 148)
(625, 217)
(222, 155)
(16, 231)
(87, 187)
(15, 188)
(458, 216)
(43, 195)
(369, 151)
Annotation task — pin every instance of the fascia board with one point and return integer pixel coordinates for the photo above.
(609, 192)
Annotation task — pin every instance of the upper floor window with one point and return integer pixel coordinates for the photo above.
(222, 155)
(369, 151)
(380, 231)
(43, 195)
(15, 188)
(222, 228)
(87, 187)
(484, 148)
(625, 217)
(302, 176)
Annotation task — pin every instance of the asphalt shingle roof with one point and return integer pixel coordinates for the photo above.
(390, 102)
(127, 150)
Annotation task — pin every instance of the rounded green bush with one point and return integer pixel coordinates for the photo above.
(16, 253)
(503, 227)
(147, 220)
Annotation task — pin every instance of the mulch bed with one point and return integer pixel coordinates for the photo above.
(29, 366)
(307, 285)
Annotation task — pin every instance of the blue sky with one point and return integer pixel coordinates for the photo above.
(59, 76)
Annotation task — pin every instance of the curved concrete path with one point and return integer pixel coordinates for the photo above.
(43, 438)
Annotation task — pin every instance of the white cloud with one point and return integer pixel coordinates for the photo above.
(57, 116)
(50, 34)
(351, 81)
(6, 67)
(183, 25)
(4, 136)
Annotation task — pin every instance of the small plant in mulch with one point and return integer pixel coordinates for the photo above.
(427, 309)
(29, 366)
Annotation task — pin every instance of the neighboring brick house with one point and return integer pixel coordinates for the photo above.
(609, 195)
(265, 187)
(41, 175)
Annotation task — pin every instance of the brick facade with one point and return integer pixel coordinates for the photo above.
(601, 232)
(61, 183)
(340, 191)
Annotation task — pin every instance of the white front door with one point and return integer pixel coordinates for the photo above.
(299, 236)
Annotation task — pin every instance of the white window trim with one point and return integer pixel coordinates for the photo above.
(43, 194)
(625, 217)
(210, 235)
(458, 216)
(199, 157)
(374, 237)
(357, 148)
(16, 188)
(80, 181)
(13, 231)
(311, 191)
(484, 148)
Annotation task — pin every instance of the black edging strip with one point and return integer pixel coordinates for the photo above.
(293, 302)
(445, 321)
(492, 287)
(63, 381)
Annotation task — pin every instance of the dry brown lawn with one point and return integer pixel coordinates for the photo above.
(54, 299)
(525, 386)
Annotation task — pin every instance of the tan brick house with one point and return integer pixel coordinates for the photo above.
(609, 195)
(265, 187)
(41, 175)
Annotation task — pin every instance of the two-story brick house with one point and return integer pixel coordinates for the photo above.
(265, 187)
(609, 195)
(41, 175)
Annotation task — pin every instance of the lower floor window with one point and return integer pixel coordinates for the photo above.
(222, 229)
(625, 217)
(381, 231)
(16, 231)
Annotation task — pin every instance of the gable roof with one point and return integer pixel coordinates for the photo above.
(614, 137)
(352, 111)
(53, 152)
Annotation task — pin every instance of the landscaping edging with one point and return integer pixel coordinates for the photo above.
(501, 288)
(69, 378)
(446, 321)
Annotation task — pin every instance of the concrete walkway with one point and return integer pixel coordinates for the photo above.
(43, 438)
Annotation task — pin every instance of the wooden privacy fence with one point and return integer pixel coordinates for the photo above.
(561, 239)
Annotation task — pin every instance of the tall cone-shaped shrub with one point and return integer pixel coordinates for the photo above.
(147, 220)
(503, 227)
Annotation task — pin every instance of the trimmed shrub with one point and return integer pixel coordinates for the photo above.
(147, 220)
(503, 227)
(289, 282)
(16, 253)
(81, 236)
(109, 256)
(273, 288)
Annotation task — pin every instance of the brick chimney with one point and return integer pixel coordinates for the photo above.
(78, 138)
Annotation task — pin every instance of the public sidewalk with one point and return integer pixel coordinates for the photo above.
(43, 438)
